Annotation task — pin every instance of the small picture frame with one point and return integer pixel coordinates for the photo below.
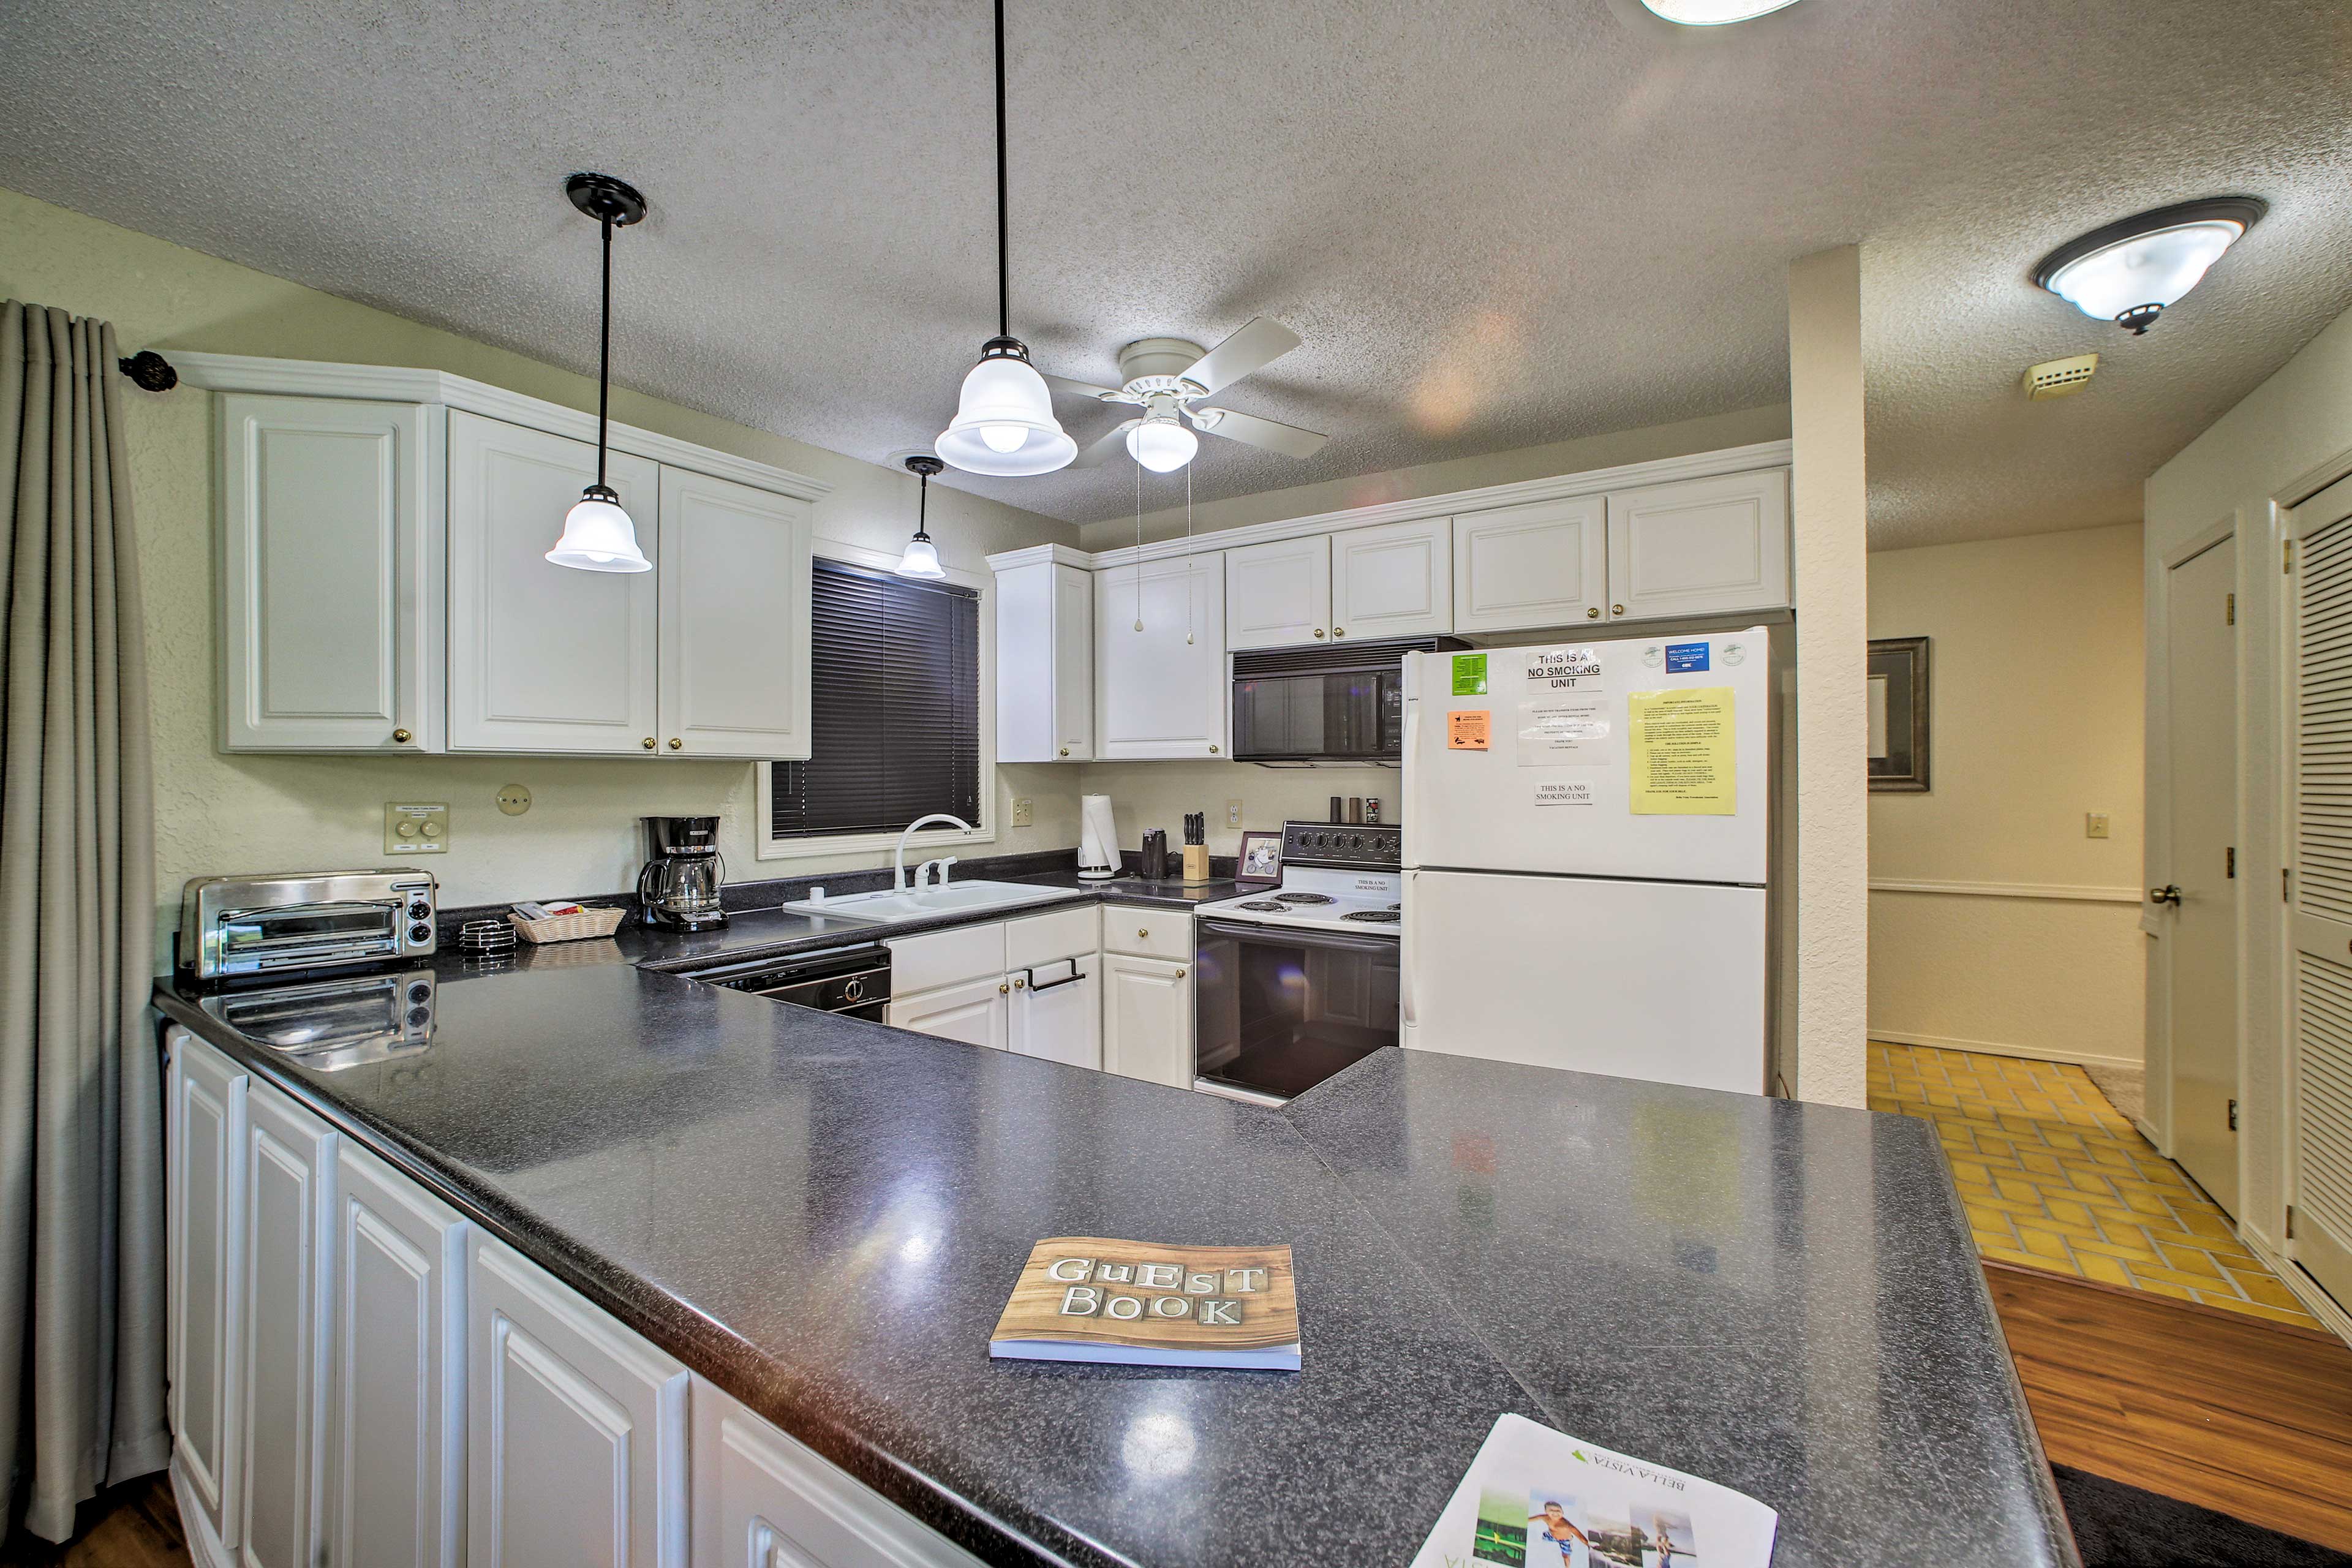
(1898, 715)
(1261, 859)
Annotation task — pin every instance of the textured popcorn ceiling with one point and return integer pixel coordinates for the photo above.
(1496, 225)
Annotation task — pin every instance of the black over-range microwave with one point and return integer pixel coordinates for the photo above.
(1338, 704)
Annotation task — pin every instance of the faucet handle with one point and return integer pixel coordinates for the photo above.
(943, 866)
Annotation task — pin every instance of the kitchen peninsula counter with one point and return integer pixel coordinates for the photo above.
(825, 1217)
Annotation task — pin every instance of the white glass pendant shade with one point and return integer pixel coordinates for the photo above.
(1714, 13)
(921, 559)
(599, 537)
(1005, 422)
(1163, 446)
(2151, 269)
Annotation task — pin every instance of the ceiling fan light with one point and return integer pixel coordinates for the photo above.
(1163, 446)
(1005, 422)
(598, 536)
(1714, 13)
(2129, 271)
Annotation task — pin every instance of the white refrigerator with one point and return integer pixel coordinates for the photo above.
(1587, 833)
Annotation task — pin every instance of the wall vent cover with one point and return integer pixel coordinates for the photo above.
(2059, 377)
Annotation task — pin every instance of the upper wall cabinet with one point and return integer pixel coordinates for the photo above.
(1045, 658)
(543, 658)
(328, 577)
(1279, 594)
(1542, 564)
(1395, 581)
(1699, 547)
(732, 579)
(1161, 690)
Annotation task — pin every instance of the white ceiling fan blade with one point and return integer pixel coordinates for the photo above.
(1105, 448)
(1271, 434)
(1259, 343)
(1079, 388)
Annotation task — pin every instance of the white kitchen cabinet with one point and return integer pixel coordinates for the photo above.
(1163, 691)
(732, 582)
(396, 1408)
(763, 1500)
(576, 1432)
(1045, 658)
(205, 1129)
(1699, 547)
(330, 576)
(1545, 564)
(1148, 1019)
(545, 658)
(288, 1218)
(1279, 594)
(1393, 581)
(973, 1012)
(1055, 1012)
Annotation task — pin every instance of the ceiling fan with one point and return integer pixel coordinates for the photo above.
(1168, 377)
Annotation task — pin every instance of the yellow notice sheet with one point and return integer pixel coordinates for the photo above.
(1679, 746)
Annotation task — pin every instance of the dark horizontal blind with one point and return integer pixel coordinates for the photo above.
(893, 688)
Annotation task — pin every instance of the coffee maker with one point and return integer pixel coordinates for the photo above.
(678, 888)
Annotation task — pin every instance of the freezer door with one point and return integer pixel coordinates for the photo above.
(1551, 789)
(1644, 980)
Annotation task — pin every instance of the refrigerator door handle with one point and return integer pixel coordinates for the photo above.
(1405, 944)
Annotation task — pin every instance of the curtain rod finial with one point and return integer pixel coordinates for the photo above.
(150, 371)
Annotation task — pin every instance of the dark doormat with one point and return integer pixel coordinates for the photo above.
(2118, 1526)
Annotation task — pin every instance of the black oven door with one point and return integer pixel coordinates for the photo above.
(1277, 1010)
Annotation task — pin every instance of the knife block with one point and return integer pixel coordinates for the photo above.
(1196, 864)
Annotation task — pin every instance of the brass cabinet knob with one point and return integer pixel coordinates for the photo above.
(1593, 613)
(1180, 975)
(1003, 989)
(402, 736)
(1616, 609)
(676, 745)
(1318, 631)
(1142, 931)
(1065, 750)
(649, 742)
(1212, 751)
(1021, 982)
(1338, 631)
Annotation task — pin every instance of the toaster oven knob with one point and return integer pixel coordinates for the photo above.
(420, 910)
(420, 931)
(419, 1016)
(419, 992)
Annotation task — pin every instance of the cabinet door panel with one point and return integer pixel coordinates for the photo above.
(575, 1436)
(330, 576)
(973, 1013)
(289, 1174)
(1148, 1019)
(1278, 594)
(397, 1433)
(1700, 546)
(1074, 662)
(1161, 691)
(544, 657)
(1044, 663)
(1542, 564)
(1394, 581)
(206, 1226)
(733, 580)
(1061, 1021)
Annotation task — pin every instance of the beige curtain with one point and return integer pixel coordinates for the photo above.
(81, 1148)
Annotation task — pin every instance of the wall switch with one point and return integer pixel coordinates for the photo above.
(1025, 811)
(415, 829)
(1232, 814)
(2094, 825)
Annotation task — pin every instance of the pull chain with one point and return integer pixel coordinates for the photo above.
(1188, 534)
(1139, 546)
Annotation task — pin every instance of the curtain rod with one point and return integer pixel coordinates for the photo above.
(150, 371)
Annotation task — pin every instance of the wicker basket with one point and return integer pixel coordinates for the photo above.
(569, 927)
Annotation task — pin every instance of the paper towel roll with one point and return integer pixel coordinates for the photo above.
(1098, 839)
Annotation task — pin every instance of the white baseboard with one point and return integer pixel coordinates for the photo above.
(1996, 1048)
(204, 1545)
(2316, 1301)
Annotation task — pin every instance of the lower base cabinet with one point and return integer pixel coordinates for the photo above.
(289, 1181)
(974, 1012)
(1148, 1019)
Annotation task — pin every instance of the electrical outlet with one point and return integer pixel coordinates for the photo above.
(415, 829)
(1025, 811)
(2094, 825)
(1232, 814)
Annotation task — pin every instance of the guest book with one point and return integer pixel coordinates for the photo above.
(1137, 1303)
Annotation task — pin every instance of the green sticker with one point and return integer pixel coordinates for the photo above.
(1469, 674)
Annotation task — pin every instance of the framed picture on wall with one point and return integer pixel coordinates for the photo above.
(1898, 714)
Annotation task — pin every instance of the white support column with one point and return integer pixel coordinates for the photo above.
(1830, 514)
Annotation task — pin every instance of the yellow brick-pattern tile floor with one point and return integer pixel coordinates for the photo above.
(2056, 1178)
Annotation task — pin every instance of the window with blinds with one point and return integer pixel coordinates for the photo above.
(894, 690)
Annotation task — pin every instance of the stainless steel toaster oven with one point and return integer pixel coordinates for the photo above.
(302, 920)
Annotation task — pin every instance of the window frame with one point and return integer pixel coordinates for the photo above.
(835, 845)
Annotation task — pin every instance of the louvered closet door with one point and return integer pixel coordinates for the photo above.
(2319, 1129)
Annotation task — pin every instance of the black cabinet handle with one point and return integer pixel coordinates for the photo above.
(1055, 985)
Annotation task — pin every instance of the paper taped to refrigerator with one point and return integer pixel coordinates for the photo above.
(1680, 753)
(1564, 717)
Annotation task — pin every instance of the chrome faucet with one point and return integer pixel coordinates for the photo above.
(898, 860)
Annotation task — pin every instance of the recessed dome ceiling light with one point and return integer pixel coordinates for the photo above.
(2129, 273)
(1714, 13)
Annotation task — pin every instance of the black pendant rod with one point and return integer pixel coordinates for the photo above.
(604, 353)
(1003, 283)
(923, 507)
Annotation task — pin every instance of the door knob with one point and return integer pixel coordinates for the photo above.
(401, 736)
(676, 745)
(649, 742)
(2168, 894)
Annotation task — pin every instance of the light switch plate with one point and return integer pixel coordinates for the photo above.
(2094, 825)
(1025, 811)
(416, 829)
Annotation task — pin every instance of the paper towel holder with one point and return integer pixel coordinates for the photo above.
(1098, 839)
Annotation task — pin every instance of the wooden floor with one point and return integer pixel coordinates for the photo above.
(135, 1525)
(2246, 1417)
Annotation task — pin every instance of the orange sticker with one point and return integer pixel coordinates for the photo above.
(1468, 731)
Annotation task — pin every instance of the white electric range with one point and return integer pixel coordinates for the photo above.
(1295, 981)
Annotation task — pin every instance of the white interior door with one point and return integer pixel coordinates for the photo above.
(544, 657)
(2319, 1134)
(733, 582)
(2201, 756)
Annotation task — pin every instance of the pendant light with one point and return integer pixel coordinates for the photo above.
(922, 557)
(1005, 421)
(2130, 272)
(598, 535)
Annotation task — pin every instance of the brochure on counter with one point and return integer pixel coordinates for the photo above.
(1535, 1498)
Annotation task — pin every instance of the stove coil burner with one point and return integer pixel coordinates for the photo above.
(1373, 917)
(1264, 906)
(1306, 898)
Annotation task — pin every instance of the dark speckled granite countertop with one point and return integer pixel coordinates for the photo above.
(825, 1217)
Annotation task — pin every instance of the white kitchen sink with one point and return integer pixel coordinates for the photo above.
(960, 899)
